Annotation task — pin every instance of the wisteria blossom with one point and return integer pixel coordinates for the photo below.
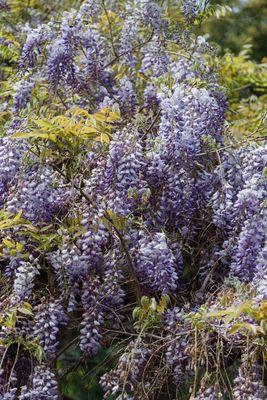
(132, 219)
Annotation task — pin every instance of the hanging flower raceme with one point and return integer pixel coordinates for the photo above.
(128, 40)
(24, 280)
(36, 196)
(113, 301)
(209, 394)
(35, 41)
(177, 354)
(43, 386)
(190, 115)
(10, 157)
(189, 10)
(122, 185)
(248, 387)
(126, 209)
(149, 12)
(23, 93)
(126, 377)
(60, 64)
(259, 281)
(239, 208)
(126, 96)
(155, 265)
(155, 59)
(92, 317)
(49, 318)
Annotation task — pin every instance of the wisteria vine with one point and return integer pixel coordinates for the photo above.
(125, 215)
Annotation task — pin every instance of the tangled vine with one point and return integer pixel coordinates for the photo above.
(128, 214)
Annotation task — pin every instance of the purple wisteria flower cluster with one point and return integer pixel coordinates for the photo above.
(120, 232)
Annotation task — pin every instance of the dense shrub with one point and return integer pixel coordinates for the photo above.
(132, 217)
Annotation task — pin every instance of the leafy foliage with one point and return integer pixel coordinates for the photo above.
(132, 195)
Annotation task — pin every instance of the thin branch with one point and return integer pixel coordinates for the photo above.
(154, 121)
(110, 29)
(62, 100)
(138, 46)
(68, 345)
(257, 139)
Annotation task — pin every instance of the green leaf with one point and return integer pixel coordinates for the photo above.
(254, 329)
(119, 222)
(39, 353)
(18, 216)
(25, 310)
(136, 313)
(11, 319)
(8, 243)
(27, 135)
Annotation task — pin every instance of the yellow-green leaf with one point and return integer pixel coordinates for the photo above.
(27, 135)
(8, 243)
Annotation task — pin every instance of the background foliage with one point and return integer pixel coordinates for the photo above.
(62, 134)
